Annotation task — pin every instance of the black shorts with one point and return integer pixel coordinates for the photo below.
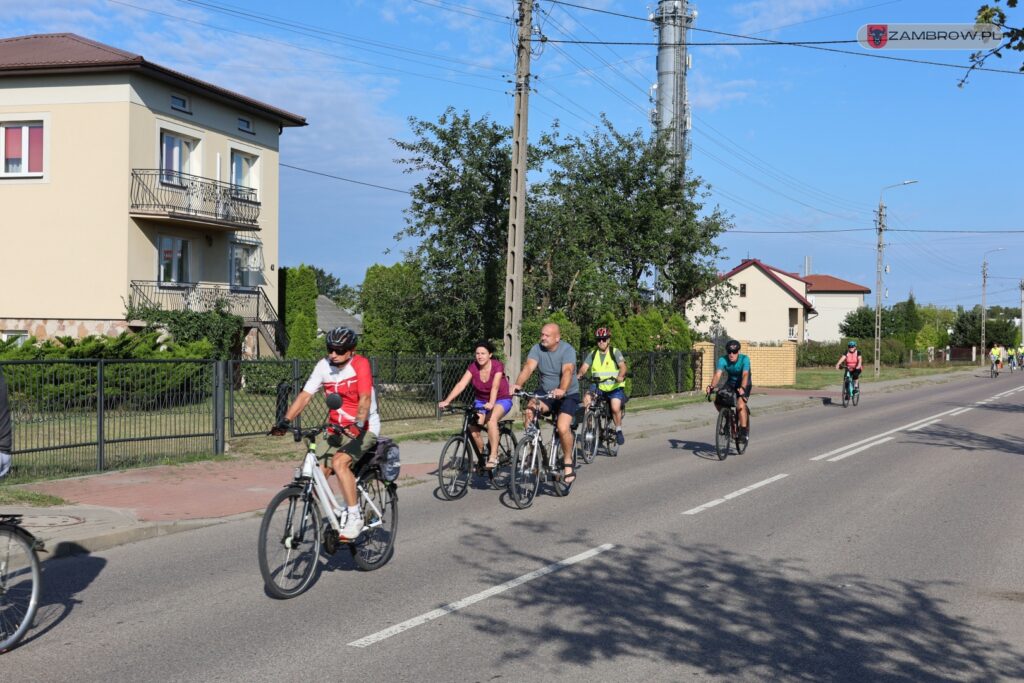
(566, 405)
(746, 390)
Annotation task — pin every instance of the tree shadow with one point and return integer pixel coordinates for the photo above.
(730, 615)
(1011, 408)
(962, 439)
(697, 448)
(63, 578)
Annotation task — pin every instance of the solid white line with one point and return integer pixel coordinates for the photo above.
(862, 448)
(734, 494)
(472, 599)
(878, 436)
(961, 411)
(926, 424)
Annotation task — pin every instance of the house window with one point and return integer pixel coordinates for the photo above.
(181, 103)
(245, 125)
(246, 264)
(743, 290)
(176, 152)
(20, 336)
(243, 169)
(21, 149)
(173, 266)
(743, 316)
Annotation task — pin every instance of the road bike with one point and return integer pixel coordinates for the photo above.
(598, 427)
(994, 369)
(534, 461)
(727, 427)
(850, 391)
(301, 518)
(460, 458)
(20, 580)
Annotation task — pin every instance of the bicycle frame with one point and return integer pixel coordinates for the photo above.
(537, 437)
(311, 475)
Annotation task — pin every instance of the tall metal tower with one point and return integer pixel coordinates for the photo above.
(672, 108)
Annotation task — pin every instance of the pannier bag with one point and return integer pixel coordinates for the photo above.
(726, 397)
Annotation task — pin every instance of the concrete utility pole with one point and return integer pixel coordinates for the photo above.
(984, 308)
(878, 279)
(517, 195)
(1021, 326)
(672, 107)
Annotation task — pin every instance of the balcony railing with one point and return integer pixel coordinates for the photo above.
(170, 193)
(792, 333)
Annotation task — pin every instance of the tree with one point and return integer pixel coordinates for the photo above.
(299, 311)
(859, 324)
(326, 284)
(347, 297)
(1013, 38)
(391, 299)
(967, 329)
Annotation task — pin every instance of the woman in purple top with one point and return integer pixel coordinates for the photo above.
(493, 399)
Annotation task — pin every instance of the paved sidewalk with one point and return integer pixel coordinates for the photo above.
(114, 508)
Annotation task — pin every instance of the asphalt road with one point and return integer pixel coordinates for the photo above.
(843, 545)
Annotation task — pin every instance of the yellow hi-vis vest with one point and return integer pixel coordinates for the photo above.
(605, 370)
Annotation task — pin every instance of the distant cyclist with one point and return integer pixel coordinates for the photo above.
(854, 363)
(6, 441)
(736, 366)
(607, 368)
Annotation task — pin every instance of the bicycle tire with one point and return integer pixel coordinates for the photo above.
(561, 488)
(591, 440)
(20, 586)
(454, 468)
(723, 433)
(289, 548)
(525, 479)
(741, 444)
(856, 396)
(846, 392)
(502, 472)
(376, 545)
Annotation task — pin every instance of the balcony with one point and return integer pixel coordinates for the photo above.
(184, 198)
(792, 333)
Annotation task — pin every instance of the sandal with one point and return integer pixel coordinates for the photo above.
(568, 477)
(491, 464)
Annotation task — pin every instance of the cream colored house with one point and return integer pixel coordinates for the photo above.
(833, 299)
(124, 180)
(768, 305)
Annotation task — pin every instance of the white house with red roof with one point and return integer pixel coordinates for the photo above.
(833, 299)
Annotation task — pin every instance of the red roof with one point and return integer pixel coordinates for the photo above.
(66, 52)
(773, 275)
(827, 283)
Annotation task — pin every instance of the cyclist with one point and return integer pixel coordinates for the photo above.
(5, 428)
(994, 357)
(608, 369)
(736, 366)
(556, 361)
(354, 427)
(492, 401)
(853, 361)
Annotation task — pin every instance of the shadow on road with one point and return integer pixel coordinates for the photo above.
(961, 439)
(698, 448)
(63, 580)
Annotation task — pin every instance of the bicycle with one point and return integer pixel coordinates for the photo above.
(994, 370)
(300, 519)
(728, 424)
(534, 461)
(20, 580)
(850, 391)
(598, 428)
(457, 463)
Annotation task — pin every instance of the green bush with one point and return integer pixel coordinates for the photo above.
(300, 311)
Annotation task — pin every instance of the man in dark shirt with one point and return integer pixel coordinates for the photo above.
(5, 428)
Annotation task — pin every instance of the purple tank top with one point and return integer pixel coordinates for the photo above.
(483, 389)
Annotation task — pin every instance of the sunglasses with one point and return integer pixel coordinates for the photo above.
(732, 353)
(601, 339)
(337, 350)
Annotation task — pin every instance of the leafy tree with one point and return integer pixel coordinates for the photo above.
(326, 284)
(302, 341)
(905, 318)
(300, 300)
(394, 318)
(940, 320)
(859, 324)
(967, 329)
(926, 337)
(1013, 38)
(530, 331)
(347, 297)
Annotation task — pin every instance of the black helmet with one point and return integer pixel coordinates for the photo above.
(341, 339)
(732, 346)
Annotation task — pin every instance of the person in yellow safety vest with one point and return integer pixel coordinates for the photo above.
(607, 369)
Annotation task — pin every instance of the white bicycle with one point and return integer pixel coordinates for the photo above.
(300, 519)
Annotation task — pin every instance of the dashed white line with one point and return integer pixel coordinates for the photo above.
(855, 451)
(961, 411)
(922, 426)
(734, 494)
(878, 436)
(472, 599)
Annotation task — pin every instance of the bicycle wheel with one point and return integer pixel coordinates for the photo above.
(723, 433)
(611, 446)
(20, 586)
(289, 545)
(846, 393)
(376, 544)
(741, 444)
(502, 472)
(856, 395)
(454, 467)
(525, 479)
(591, 435)
(561, 488)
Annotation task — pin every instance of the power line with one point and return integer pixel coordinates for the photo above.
(347, 180)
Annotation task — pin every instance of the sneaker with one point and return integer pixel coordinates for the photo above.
(351, 529)
(619, 438)
(744, 435)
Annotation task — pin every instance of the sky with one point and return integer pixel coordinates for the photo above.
(788, 139)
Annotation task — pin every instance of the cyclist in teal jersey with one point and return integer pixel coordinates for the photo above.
(736, 366)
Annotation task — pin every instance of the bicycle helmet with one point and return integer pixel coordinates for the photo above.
(603, 333)
(732, 346)
(341, 339)
(851, 344)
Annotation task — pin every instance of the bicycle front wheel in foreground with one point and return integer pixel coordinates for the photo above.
(522, 487)
(376, 544)
(741, 444)
(846, 394)
(20, 586)
(722, 434)
(502, 472)
(453, 469)
(590, 437)
(856, 396)
(289, 545)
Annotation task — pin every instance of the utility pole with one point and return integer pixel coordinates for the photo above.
(878, 288)
(1021, 326)
(517, 194)
(984, 309)
(671, 20)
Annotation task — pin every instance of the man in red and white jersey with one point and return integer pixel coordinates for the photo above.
(357, 422)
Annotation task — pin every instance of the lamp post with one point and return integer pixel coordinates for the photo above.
(878, 279)
(984, 308)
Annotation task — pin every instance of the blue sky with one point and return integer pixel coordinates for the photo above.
(789, 138)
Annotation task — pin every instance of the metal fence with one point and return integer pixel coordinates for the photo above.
(87, 415)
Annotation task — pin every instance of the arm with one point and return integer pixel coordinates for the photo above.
(459, 387)
(298, 405)
(744, 378)
(563, 386)
(622, 371)
(363, 411)
(583, 371)
(840, 363)
(715, 380)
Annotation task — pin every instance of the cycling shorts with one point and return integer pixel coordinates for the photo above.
(566, 405)
(505, 403)
(746, 389)
(618, 393)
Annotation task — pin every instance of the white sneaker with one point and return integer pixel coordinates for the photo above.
(351, 529)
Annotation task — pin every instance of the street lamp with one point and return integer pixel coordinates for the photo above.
(984, 308)
(878, 278)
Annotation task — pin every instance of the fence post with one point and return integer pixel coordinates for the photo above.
(99, 416)
(679, 371)
(218, 406)
(438, 396)
(650, 373)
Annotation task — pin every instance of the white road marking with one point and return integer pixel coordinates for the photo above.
(472, 599)
(926, 424)
(862, 448)
(961, 411)
(734, 494)
(878, 436)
